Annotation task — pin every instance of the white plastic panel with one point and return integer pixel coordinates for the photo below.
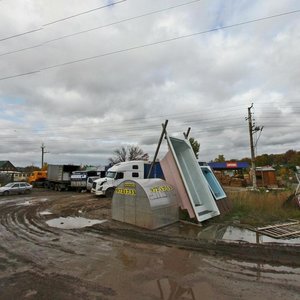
(193, 179)
(213, 183)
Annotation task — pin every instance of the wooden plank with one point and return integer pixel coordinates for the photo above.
(279, 225)
(291, 233)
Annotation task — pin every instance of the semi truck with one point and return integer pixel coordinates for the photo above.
(123, 171)
(37, 178)
(83, 180)
(59, 176)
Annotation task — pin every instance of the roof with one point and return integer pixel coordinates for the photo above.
(7, 165)
(3, 162)
(233, 165)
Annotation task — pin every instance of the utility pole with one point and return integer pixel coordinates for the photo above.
(43, 153)
(252, 129)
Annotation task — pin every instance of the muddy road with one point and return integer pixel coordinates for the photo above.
(46, 254)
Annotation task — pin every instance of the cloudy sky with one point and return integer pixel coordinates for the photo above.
(86, 77)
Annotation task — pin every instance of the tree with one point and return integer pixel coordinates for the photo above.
(195, 146)
(30, 169)
(45, 167)
(220, 158)
(132, 152)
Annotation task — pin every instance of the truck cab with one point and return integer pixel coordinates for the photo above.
(116, 174)
(37, 178)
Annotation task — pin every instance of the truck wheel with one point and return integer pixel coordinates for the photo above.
(109, 193)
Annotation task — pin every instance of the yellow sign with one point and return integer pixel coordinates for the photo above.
(129, 192)
(164, 188)
(129, 184)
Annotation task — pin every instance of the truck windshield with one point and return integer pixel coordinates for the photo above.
(110, 174)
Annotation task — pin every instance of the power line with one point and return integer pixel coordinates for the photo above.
(151, 44)
(20, 34)
(100, 27)
(83, 13)
(60, 20)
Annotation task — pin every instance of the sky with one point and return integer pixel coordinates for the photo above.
(84, 78)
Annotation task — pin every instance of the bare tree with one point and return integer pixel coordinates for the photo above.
(136, 153)
(130, 153)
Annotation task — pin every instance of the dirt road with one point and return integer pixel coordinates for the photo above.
(41, 259)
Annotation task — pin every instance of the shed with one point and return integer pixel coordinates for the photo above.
(147, 203)
(266, 177)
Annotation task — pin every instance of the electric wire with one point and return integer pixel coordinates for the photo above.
(59, 20)
(151, 44)
(101, 27)
(83, 13)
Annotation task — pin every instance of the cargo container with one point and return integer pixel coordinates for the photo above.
(59, 176)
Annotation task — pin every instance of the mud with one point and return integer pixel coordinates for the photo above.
(110, 260)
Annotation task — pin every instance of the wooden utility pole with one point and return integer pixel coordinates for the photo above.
(163, 132)
(252, 147)
(43, 153)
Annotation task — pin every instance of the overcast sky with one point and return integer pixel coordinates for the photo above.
(85, 80)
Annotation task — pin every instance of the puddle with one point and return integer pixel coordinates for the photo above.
(73, 222)
(237, 234)
(45, 213)
(44, 199)
(26, 203)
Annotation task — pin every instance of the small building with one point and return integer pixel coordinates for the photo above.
(6, 166)
(266, 177)
(146, 203)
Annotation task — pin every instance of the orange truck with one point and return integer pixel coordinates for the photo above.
(37, 178)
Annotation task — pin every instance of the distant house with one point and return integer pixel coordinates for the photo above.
(7, 167)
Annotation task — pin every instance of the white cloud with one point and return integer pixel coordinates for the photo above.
(83, 111)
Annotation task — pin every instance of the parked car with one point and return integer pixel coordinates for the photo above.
(15, 188)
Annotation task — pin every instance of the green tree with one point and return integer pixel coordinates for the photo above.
(195, 146)
(220, 158)
(263, 160)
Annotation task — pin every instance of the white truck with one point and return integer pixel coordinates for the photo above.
(83, 179)
(136, 169)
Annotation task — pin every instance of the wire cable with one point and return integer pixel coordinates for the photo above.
(60, 20)
(100, 27)
(152, 44)
(83, 13)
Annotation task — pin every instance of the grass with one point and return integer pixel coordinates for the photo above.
(258, 208)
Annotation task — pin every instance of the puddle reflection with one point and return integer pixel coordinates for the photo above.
(171, 290)
(238, 234)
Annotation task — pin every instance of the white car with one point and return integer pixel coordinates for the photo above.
(15, 188)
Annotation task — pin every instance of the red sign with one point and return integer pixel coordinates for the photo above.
(231, 165)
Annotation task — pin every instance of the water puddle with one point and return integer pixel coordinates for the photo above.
(45, 213)
(26, 203)
(73, 222)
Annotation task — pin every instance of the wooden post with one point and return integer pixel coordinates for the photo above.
(164, 126)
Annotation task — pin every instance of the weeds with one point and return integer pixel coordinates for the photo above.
(260, 207)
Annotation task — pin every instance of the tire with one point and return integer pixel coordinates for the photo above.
(109, 193)
(5, 193)
(27, 191)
